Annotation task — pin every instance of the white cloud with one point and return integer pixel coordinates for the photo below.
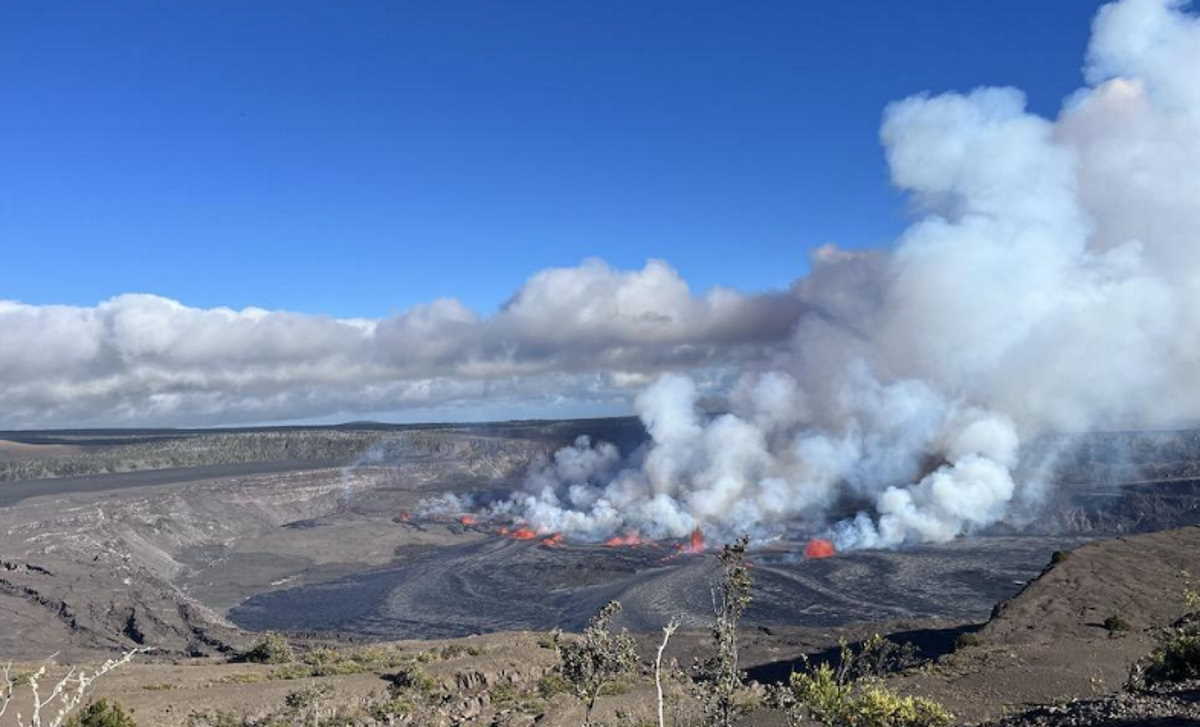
(146, 359)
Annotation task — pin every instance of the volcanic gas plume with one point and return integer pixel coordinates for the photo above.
(1050, 282)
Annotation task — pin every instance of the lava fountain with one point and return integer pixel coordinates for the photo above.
(819, 548)
(695, 543)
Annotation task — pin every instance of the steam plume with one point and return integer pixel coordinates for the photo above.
(1050, 283)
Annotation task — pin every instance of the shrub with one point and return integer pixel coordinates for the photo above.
(596, 659)
(1191, 593)
(160, 687)
(244, 677)
(967, 640)
(454, 651)
(102, 713)
(879, 656)
(1177, 659)
(272, 648)
(879, 707)
(551, 685)
(412, 677)
(851, 696)
(1116, 624)
(819, 695)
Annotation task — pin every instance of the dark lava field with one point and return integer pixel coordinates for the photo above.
(183, 540)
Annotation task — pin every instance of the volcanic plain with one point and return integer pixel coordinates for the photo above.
(187, 543)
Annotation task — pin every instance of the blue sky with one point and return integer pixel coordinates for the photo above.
(356, 158)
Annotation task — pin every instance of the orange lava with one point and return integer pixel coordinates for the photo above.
(553, 540)
(502, 531)
(695, 543)
(819, 548)
(630, 538)
(468, 520)
(405, 516)
(523, 533)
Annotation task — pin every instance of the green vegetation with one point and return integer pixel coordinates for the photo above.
(851, 695)
(879, 656)
(1191, 594)
(326, 662)
(102, 713)
(454, 651)
(552, 685)
(596, 659)
(160, 687)
(720, 677)
(272, 648)
(1176, 659)
(244, 677)
(1116, 624)
(966, 640)
(66, 695)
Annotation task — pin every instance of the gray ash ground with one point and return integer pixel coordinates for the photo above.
(502, 584)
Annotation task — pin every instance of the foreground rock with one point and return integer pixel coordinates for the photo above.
(1175, 706)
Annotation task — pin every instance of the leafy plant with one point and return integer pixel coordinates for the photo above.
(1177, 659)
(596, 659)
(879, 656)
(1191, 593)
(1116, 624)
(102, 713)
(272, 648)
(833, 697)
(720, 677)
(966, 640)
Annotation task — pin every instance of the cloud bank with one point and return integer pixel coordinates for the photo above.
(583, 334)
(1051, 282)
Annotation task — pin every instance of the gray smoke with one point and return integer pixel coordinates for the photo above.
(1050, 283)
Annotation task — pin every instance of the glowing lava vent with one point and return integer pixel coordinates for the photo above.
(819, 548)
(695, 543)
(630, 538)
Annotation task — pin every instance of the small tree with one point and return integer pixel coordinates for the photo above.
(67, 694)
(596, 659)
(668, 630)
(721, 676)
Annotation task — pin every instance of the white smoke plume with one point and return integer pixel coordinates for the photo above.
(1050, 283)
